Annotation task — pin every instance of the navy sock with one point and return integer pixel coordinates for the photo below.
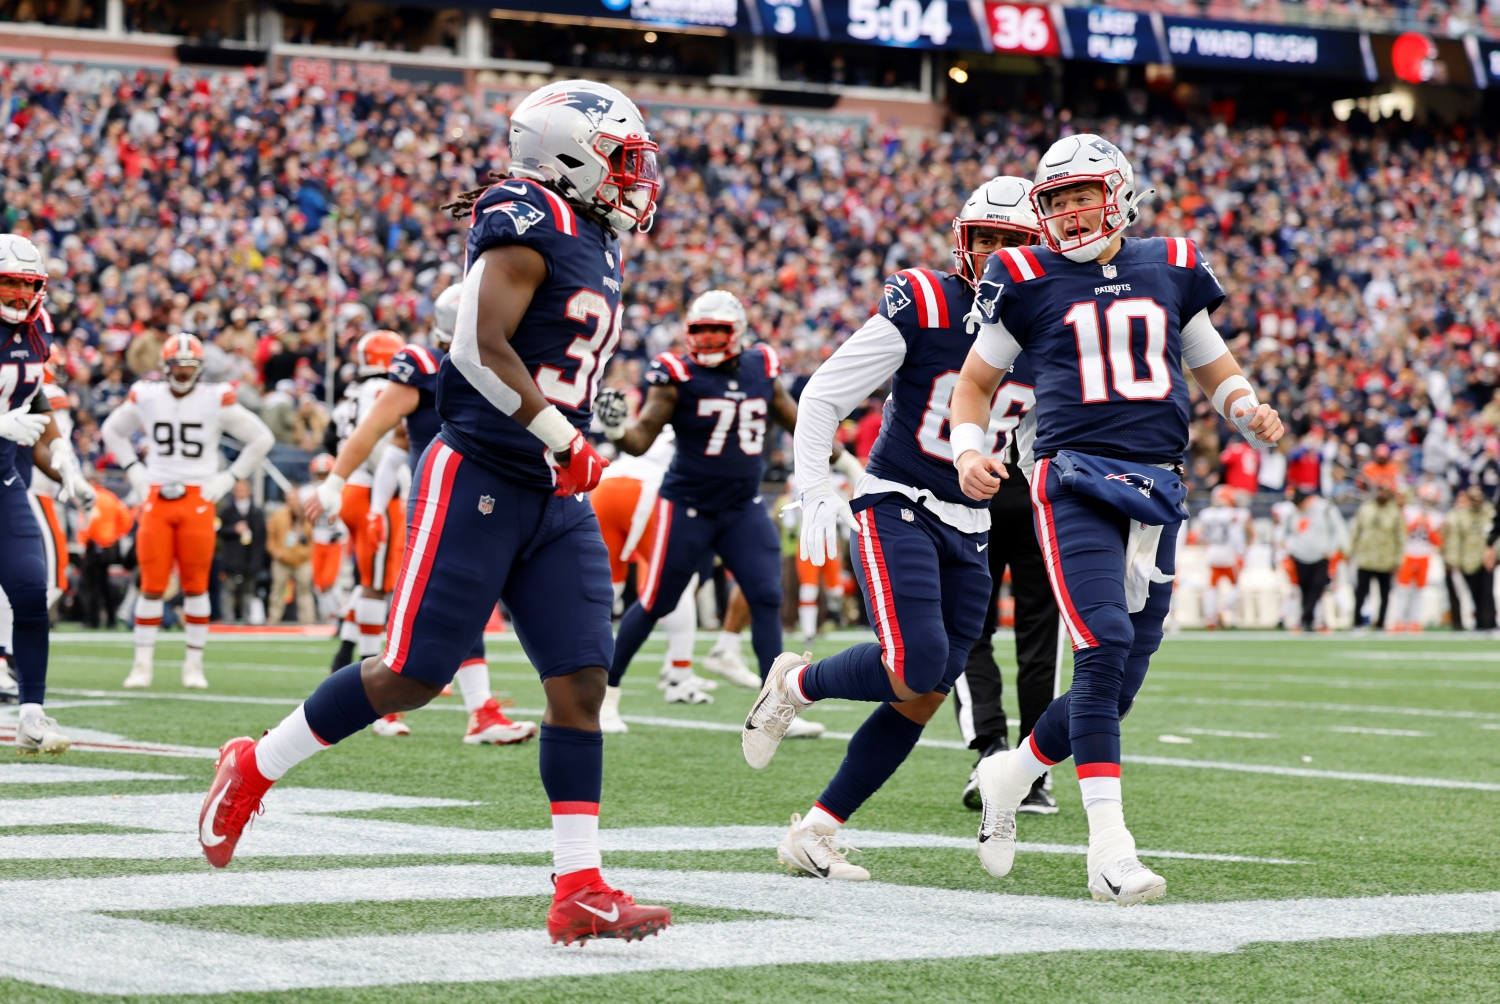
(881, 745)
(572, 765)
(635, 628)
(343, 656)
(339, 707)
(1050, 734)
(765, 635)
(856, 674)
(1094, 713)
(29, 641)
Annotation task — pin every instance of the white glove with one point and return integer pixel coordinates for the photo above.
(611, 408)
(217, 486)
(75, 488)
(331, 495)
(1241, 412)
(22, 427)
(822, 511)
(140, 484)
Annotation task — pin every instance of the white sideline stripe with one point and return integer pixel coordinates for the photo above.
(48, 773)
(1393, 655)
(298, 822)
(1372, 709)
(1335, 682)
(93, 740)
(1378, 732)
(75, 946)
(1433, 666)
(1331, 775)
(1226, 734)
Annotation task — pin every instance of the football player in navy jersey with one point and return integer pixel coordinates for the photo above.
(1108, 324)
(718, 401)
(498, 510)
(918, 541)
(409, 402)
(25, 422)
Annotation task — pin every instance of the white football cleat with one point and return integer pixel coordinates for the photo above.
(688, 692)
(140, 675)
(801, 728)
(488, 726)
(817, 850)
(10, 691)
(391, 725)
(999, 801)
(192, 670)
(40, 735)
(1127, 882)
(729, 664)
(609, 713)
(773, 712)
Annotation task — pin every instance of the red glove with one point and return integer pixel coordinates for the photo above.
(583, 470)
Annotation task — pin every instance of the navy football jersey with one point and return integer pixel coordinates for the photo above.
(1105, 342)
(720, 422)
(1014, 399)
(23, 354)
(417, 366)
(913, 448)
(565, 338)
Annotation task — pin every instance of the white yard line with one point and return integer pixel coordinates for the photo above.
(1226, 734)
(50, 773)
(1335, 682)
(1331, 775)
(1372, 709)
(1411, 733)
(76, 946)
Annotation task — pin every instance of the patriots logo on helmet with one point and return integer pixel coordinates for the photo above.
(1139, 482)
(895, 299)
(522, 214)
(592, 105)
(1107, 148)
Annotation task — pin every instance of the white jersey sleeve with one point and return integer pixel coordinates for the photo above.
(182, 433)
(41, 484)
(363, 395)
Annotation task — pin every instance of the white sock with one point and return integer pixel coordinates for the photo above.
(729, 641)
(794, 687)
(348, 630)
(820, 816)
(1019, 770)
(30, 712)
(681, 625)
(1098, 791)
(679, 672)
(807, 619)
(1033, 764)
(369, 614)
(287, 745)
(1109, 840)
(149, 612)
(7, 622)
(575, 842)
(473, 679)
(195, 611)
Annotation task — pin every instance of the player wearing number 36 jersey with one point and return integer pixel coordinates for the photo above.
(497, 509)
(178, 487)
(1108, 325)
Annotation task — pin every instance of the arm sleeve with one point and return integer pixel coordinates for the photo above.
(252, 432)
(1201, 341)
(387, 480)
(117, 429)
(997, 346)
(1203, 290)
(850, 375)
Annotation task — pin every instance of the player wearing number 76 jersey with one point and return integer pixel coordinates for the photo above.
(177, 487)
(918, 541)
(1108, 325)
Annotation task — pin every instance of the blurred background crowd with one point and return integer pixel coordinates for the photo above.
(1360, 259)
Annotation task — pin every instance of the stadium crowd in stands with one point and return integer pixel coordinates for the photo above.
(1360, 262)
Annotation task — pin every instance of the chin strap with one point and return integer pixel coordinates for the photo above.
(1132, 211)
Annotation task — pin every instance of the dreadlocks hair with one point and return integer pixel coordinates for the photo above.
(464, 204)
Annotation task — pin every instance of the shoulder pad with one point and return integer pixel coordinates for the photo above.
(1181, 251)
(918, 291)
(773, 361)
(1022, 263)
(517, 205)
(137, 389)
(44, 320)
(227, 395)
(409, 362)
(668, 368)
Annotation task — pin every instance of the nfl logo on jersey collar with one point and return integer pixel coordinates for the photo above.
(1110, 271)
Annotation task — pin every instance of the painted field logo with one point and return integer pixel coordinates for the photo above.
(486, 504)
(1139, 482)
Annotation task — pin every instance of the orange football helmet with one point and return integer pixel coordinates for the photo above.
(182, 350)
(374, 351)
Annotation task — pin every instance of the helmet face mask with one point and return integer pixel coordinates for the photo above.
(630, 186)
(1085, 195)
(374, 351)
(997, 215)
(716, 324)
(182, 362)
(23, 279)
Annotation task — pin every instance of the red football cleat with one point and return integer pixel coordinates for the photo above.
(488, 724)
(232, 801)
(596, 910)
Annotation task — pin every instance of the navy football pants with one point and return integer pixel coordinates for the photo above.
(23, 576)
(1083, 541)
(747, 541)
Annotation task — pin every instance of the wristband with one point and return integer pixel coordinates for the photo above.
(848, 466)
(1229, 386)
(551, 428)
(335, 482)
(966, 437)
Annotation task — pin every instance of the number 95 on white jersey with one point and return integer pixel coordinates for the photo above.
(181, 433)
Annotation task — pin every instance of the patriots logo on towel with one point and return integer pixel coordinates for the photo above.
(895, 299)
(522, 214)
(1139, 482)
(486, 504)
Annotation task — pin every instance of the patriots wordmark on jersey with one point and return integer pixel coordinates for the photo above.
(927, 310)
(565, 337)
(1111, 344)
(417, 366)
(720, 423)
(22, 371)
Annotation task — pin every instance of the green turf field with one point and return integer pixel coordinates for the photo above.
(1299, 782)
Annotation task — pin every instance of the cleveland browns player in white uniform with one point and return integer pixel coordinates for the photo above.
(1226, 530)
(179, 484)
